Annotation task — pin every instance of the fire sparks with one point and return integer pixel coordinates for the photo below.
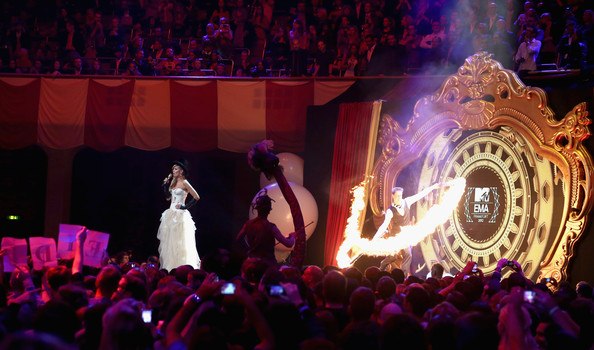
(408, 236)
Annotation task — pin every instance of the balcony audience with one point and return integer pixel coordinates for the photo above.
(408, 37)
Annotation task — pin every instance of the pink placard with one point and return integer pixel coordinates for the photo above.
(16, 252)
(43, 252)
(66, 239)
(95, 248)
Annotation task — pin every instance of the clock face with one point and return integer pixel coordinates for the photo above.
(503, 204)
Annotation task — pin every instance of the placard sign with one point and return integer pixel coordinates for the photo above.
(66, 240)
(16, 253)
(95, 248)
(43, 252)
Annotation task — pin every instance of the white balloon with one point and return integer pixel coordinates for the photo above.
(281, 213)
(292, 168)
(265, 182)
(281, 255)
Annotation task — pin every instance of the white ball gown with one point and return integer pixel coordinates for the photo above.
(176, 235)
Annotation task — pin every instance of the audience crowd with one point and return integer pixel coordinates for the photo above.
(290, 38)
(233, 302)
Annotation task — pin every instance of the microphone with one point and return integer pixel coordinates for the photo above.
(167, 178)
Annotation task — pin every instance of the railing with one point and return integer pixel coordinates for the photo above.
(108, 62)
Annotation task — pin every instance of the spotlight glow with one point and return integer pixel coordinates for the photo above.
(409, 235)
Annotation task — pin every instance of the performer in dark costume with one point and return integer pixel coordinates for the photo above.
(396, 216)
(260, 234)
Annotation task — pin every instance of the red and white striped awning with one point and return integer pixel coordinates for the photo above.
(153, 114)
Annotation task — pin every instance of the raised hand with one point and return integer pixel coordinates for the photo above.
(501, 264)
(81, 235)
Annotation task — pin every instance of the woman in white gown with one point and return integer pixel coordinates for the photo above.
(176, 233)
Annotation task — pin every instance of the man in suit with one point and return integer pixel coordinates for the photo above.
(118, 64)
(72, 42)
(77, 67)
(492, 17)
(359, 12)
(377, 59)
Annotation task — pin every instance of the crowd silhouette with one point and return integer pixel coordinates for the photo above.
(239, 302)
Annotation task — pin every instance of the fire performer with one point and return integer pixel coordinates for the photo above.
(398, 215)
(397, 233)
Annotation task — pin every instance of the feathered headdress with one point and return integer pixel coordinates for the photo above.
(261, 158)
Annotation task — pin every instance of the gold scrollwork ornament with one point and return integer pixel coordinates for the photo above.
(484, 123)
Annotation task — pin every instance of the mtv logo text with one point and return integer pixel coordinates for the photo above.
(483, 207)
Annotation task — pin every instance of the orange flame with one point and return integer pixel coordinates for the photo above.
(351, 231)
(409, 235)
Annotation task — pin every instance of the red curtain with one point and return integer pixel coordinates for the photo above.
(19, 107)
(194, 116)
(348, 170)
(286, 104)
(107, 114)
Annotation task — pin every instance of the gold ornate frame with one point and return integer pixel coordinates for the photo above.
(492, 113)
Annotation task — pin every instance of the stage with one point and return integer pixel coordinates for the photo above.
(118, 190)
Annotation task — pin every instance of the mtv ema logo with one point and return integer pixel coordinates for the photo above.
(484, 207)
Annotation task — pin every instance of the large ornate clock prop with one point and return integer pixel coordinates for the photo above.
(528, 175)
